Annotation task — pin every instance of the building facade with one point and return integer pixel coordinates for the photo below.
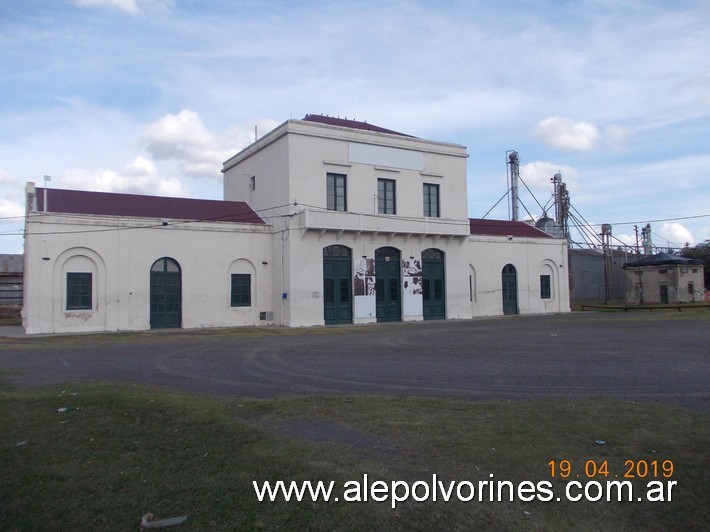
(664, 279)
(11, 280)
(588, 279)
(324, 221)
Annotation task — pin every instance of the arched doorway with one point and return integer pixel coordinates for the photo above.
(165, 294)
(388, 284)
(337, 285)
(510, 289)
(433, 286)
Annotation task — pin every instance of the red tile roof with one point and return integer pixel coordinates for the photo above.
(353, 124)
(480, 226)
(112, 204)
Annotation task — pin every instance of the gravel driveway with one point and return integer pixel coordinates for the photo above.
(655, 357)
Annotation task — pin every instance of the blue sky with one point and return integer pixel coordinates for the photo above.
(150, 96)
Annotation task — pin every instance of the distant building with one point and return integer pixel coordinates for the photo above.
(11, 280)
(588, 282)
(324, 221)
(547, 224)
(664, 279)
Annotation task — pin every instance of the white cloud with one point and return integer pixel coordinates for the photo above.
(698, 86)
(627, 239)
(674, 234)
(11, 209)
(132, 7)
(539, 174)
(615, 136)
(129, 6)
(175, 136)
(12, 212)
(703, 83)
(241, 135)
(564, 134)
(668, 235)
(6, 178)
(11, 190)
(138, 177)
(183, 138)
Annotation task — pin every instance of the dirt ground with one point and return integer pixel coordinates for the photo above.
(661, 357)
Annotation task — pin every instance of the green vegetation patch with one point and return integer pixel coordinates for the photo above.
(119, 452)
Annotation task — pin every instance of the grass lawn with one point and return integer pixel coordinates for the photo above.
(128, 450)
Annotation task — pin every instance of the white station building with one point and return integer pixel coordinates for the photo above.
(324, 221)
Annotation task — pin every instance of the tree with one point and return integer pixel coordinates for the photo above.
(700, 251)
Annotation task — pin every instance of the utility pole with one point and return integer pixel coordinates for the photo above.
(606, 248)
(638, 264)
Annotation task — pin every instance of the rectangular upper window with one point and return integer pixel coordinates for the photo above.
(386, 196)
(241, 290)
(545, 287)
(336, 192)
(431, 200)
(79, 291)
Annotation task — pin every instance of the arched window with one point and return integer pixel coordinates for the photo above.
(165, 265)
(336, 251)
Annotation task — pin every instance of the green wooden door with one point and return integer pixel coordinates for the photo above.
(165, 294)
(510, 289)
(433, 286)
(663, 290)
(388, 284)
(337, 285)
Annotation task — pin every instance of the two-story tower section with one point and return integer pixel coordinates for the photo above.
(350, 176)
(369, 221)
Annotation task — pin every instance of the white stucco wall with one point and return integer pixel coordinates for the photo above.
(291, 162)
(473, 274)
(267, 162)
(531, 257)
(120, 259)
(120, 262)
(305, 278)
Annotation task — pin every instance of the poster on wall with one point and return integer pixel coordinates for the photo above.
(412, 276)
(412, 287)
(364, 279)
